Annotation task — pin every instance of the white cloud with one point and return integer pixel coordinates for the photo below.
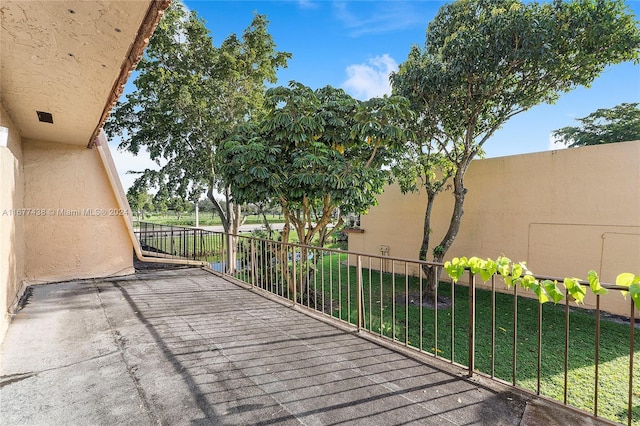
(554, 143)
(307, 4)
(371, 79)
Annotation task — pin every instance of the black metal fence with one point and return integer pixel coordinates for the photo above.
(177, 242)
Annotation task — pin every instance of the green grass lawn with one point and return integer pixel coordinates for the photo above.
(401, 321)
(207, 248)
(205, 219)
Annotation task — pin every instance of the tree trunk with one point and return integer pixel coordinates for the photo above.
(234, 213)
(284, 251)
(426, 235)
(441, 249)
(326, 233)
(267, 225)
(230, 217)
(428, 295)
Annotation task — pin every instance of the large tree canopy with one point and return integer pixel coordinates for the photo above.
(189, 96)
(618, 124)
(315, 152)
(485, 61)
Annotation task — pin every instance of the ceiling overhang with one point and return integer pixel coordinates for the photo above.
(70, 59)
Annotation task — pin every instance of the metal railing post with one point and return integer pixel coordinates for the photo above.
(493, 326)
(597, 358)
(632, 326)
(253, 262)
(195, 239)
(230, 241)
(359, 291)
(472, 322)
(514, 367)
(223, 251)
(295, 273)
(566, 346)
(539, 365)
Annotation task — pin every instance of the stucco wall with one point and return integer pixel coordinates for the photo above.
(11, 225)
(80, 233)
(563, 212)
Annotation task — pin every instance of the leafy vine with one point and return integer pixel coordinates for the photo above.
(546, 290)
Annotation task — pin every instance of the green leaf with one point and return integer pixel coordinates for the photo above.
(508, 281)
(528, 281)
(490, 268)
(634, 289)
(625, 279)
(476, 265)
(576, 290)
(594, 283)
(551, 287)
(540, 291)
(516, 270)
(503, 266)
(618, 124)
(455, 268)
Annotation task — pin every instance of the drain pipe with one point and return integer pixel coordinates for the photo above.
(101, 145)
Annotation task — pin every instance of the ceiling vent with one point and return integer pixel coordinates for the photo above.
(45, 117)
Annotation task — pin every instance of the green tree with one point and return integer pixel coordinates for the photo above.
(180, 206)
(485, 61)
(315, 152)
(618, 124)
(424, 164)
(139, 201)
(161, 201)
(189, 96)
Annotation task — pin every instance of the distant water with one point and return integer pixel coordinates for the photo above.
(220, 266)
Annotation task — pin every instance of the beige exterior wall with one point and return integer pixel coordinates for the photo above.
(563, 212)
(12, 248)
(59, 218)
(81, 233)
(71, 60)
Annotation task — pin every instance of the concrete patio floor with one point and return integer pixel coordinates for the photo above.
(185, 347)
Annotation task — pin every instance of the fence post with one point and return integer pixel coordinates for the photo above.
(223, 249)
(472, 322)
(230, 241)
(195, 231)
(359, 291)
(295, 273)
(253, 263)
(632, 326)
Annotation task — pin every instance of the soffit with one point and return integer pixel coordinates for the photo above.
(66, 58)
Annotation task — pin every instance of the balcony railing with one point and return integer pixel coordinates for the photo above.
(177, 242)
(501, 335)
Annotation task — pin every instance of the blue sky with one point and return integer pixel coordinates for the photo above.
(355, 44)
